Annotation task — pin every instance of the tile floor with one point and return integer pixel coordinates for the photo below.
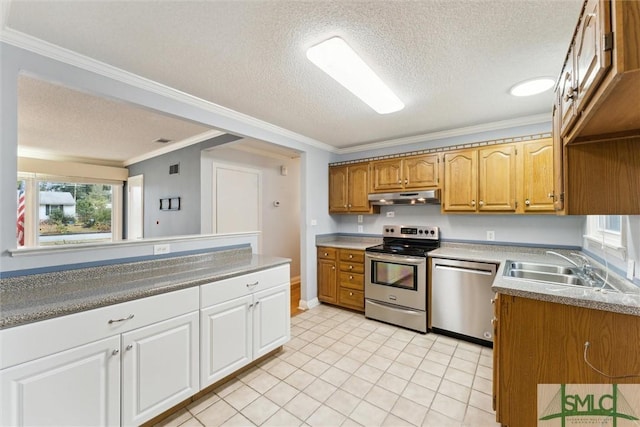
(340, 369)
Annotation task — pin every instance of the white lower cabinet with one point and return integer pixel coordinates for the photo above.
(77, 387)
(141, 359)
(159, 367)
(127, 363)
(242, 319)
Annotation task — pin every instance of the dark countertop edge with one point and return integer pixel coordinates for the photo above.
(73, 307)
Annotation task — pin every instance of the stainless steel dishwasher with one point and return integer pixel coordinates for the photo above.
(461, 299)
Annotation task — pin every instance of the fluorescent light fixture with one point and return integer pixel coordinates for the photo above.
(532, 87)
(337, 59)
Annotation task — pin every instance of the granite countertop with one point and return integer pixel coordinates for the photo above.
(348, 242)
(27, 299)
(627, 302)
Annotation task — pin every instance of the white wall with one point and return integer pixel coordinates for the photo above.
(280, 225)
(520, 229)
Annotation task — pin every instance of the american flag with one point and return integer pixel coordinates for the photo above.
(20, 233)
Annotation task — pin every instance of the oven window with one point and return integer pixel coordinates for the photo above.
(391, 274)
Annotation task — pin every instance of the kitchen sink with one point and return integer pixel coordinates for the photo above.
(548, 273)
(541, 268)
(563, 279)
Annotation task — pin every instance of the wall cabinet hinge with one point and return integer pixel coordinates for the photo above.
(516, 204)
(607, 41)
(516, 151)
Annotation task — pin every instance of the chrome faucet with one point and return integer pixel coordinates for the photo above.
(572, 262)
(586, 269)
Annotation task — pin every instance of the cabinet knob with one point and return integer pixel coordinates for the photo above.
(350, 205)
(326, 254)
(351, 267)
(406, 181)
(350, 277)
(350, 256)
(571, 95)
(350, 294)
(481, 202)
(129, 347)
(493, 321)
(399, 181)
(550, 195)
(527, 202)
(473, 202)
(333, 268)
(115, 352)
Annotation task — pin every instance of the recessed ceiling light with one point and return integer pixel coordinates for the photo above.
(336, 58)
(532, 87)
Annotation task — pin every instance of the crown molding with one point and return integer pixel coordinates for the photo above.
(49, 50)
(469, 130)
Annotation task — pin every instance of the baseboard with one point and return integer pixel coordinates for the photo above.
(295, 281)
(306, 305)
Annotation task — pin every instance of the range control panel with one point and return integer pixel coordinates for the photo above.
(411, 231)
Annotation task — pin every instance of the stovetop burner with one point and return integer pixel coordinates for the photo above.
(408, 240)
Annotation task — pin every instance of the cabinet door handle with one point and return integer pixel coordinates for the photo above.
(351, 267)
(115, 352)
(350, 294)
(481, 203)
(527, 202)
(350, 277)
(406, 181)
(257, 302)
(251, 285)
(333, 268)
(129, 347)
(250, 305)
(473, 202)
(399, 181)
(350, 256)
(120, 320)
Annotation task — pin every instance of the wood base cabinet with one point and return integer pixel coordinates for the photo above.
(540, 342)
(341, 277)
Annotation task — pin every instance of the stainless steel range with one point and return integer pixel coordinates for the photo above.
(395, 288)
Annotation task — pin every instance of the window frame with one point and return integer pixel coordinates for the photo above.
(32, 197)
(607, 240)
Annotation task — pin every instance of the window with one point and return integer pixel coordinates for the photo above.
(607, 231)
(62, 212)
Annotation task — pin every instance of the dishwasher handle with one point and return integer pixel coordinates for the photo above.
(465, 270)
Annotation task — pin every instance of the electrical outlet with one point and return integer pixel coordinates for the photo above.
(360, 229)
(491, 235)
(391, 214)
(161, 249)
(360, 219)
(630, 269)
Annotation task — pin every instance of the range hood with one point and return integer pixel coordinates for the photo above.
(431, 197)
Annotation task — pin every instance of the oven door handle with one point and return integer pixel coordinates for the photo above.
(402, 258)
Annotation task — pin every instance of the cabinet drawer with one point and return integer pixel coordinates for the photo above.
(352, 267)
(350, 255)
(327, 253)
(351, 298)
(235, 287)
(352, 280)
(34, 340)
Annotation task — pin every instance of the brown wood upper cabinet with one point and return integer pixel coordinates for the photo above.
(596, 126)
(480, 180)
(349, 189)
(505, 178)
(599, 85)
(537, 176)
(414, 173)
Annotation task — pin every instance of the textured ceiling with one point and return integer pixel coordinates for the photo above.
(451, 62)
(55, 120)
